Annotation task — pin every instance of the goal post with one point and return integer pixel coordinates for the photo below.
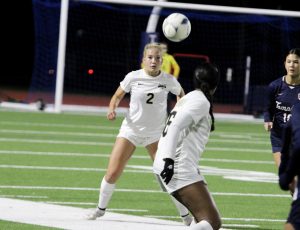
(61, 55)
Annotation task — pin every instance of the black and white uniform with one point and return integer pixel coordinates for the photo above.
(183, 139)
(147, 113)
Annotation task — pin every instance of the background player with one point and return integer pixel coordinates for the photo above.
(148, 88)
(282, 94)
(169, 64)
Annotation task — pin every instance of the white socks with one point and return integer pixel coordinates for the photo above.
(106, 191)
(202, 225)
(183, 211)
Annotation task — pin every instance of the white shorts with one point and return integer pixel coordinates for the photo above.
(184, 175)
(178, 183)
(137, 140)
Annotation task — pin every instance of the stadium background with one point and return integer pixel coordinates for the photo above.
(24, 66)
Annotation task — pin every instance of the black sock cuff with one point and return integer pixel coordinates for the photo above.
(102, 209)
(185, 215)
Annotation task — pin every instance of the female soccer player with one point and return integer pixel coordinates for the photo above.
(181, 145)
(290, 167)
(282, 94)
(144, 122)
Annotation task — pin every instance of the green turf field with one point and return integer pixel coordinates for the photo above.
(61, 159)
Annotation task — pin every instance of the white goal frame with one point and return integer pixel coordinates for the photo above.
(162, 4)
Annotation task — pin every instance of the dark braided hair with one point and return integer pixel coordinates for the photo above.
(206, 78)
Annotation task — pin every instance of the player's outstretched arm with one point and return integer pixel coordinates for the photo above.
(114, 102)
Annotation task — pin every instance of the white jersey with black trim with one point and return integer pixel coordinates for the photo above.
(185, 135)
(148, 101)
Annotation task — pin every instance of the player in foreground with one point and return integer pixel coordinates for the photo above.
(282, 94)
(181, 145)
(143, 124)
(290, 167)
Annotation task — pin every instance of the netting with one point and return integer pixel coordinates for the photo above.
(103, 44)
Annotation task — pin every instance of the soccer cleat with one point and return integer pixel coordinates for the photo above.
(187, 219)
(98, 212)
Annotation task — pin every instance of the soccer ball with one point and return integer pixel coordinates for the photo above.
(176, 27)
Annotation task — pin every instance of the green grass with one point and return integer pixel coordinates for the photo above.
(63, 150)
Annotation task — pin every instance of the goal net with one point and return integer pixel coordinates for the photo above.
(104, 42)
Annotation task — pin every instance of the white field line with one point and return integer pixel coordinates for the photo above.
(222, 149)
(23, 196)
(254, 219)
(95, 205)
(232, 174)
(223, 135)
(36, 132)
(25, 140)
(98, 127)
(74, 218)
(68, 168)
(236, 161)
(101, 155)
(75, 133)
(241, 226)
(226, 218)
(74, 189)
(33, 124)
(256, 142)
(138, 191)
(239, 135)
(101, 127)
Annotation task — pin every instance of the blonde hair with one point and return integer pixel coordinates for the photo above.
(151, 46)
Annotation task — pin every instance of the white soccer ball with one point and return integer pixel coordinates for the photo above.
(176, 27)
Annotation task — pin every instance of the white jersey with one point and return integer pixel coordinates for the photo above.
(148, 101)
(184, 138)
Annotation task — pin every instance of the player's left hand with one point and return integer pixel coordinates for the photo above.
(168, 170)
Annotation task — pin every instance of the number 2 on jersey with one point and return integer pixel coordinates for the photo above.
(150, 97)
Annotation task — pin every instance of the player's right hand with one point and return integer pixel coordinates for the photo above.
(168, 170)
(111, 115)
(268, 126)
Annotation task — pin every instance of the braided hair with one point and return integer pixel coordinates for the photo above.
(206, 78)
